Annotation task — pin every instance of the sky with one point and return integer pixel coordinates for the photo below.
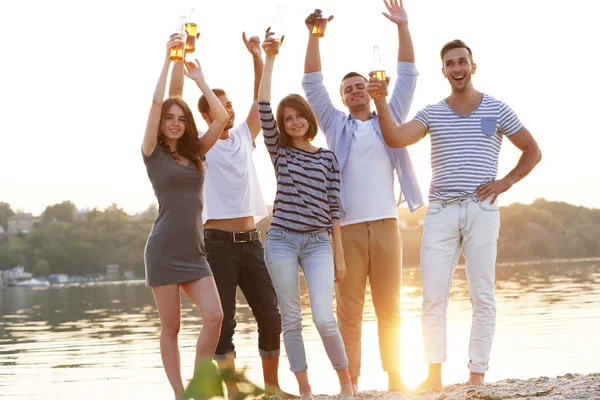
(76, 83)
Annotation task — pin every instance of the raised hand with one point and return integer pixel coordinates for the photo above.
(193, 70)
(377, 88)
(252, 44)
(271, 45)
(397, 13)
(175, 40)
(312, 18)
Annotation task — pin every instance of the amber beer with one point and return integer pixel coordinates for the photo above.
(319, 27)
(380, 75)
(190, 44)
(177, 53)
(274, 47)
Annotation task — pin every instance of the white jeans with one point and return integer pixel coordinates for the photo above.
(450, 226)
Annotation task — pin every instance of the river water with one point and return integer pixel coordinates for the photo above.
(100, 341)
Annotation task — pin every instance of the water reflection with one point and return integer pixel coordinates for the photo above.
(102, 339)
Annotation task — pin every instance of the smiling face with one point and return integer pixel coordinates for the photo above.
(354, 93)
(457, 67)
(173, 123)
(296, 126)
(295, 121)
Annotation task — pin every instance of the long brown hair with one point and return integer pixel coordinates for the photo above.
(188, 145)
(298, 103)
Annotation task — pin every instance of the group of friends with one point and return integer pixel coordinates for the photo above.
(335, 211)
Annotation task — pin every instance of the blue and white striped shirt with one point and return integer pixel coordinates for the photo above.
(465, 149)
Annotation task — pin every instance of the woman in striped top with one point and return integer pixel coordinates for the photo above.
(306, 210)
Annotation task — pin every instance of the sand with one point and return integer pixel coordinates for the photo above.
(568, 386)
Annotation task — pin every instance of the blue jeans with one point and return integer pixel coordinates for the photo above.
(284, 250)
(473, 226)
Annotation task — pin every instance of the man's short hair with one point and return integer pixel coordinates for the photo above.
(455, 44)
(350, 75)
(203, 106)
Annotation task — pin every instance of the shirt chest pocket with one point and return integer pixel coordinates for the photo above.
(489, 126)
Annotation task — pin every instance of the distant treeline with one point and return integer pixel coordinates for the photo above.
(63, 241)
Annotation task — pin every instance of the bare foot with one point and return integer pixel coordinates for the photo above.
(271, 390)
(347, 389)
(306, 396)
(429, 385)
(354, 382)
(475, 379)
(395, 383)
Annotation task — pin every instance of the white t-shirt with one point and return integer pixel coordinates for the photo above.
(231, 187)
(368, 178)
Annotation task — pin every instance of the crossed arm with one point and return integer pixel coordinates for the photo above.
(253, 46)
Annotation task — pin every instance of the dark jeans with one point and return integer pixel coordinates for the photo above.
(243, 265)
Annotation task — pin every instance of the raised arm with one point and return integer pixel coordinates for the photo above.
(269, 125)
(530, 157)
(152, 126)
(406, 82)
(312, 82)
(397, 14)
(395, 136)
(264, 91)
(176, 83)
(312, 61)
(207, 141)
(253, 119)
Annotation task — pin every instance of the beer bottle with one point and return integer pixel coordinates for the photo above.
(378, 67)
(191, 29)
(178, 52)
(277, 29)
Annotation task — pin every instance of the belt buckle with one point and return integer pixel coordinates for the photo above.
(238, 241)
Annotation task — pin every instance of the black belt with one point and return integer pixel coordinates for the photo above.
(232, 237)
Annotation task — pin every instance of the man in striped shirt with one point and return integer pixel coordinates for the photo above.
(466, 131)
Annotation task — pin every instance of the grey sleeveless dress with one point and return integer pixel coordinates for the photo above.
(174, 251)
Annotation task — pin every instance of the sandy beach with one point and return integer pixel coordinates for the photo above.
(568, 386)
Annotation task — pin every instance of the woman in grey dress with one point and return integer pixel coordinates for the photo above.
(174, 256)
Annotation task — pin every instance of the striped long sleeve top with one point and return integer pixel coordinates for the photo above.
(308, 184)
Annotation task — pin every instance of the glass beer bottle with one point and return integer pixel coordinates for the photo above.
(191, 29)
(277, 29)
(378, 67)
(177, 53)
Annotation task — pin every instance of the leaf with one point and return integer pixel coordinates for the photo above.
(206, 383)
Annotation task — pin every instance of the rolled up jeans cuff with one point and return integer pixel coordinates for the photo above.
(226, 356)
(341, 366)
(269, 353)
(435, 358)
(477, 369)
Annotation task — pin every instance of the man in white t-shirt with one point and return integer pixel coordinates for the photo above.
(232, 203)
(466, 131)
(369, 217)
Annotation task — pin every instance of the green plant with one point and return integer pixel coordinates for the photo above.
(208, 382)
